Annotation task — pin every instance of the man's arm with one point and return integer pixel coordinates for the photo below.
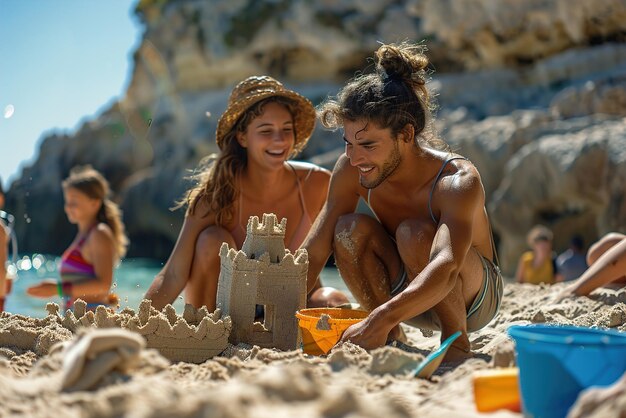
(342, 199)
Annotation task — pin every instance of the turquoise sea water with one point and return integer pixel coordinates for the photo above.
(131, 281)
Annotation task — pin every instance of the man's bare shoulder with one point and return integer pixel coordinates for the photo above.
(345, 173)
(343, 166)
(463, 178)
(344, 183)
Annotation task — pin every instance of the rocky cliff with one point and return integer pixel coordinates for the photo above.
(533, 92)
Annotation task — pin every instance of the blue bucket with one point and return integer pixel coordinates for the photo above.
(557, 362)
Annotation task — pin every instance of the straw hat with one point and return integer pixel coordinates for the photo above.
(256, 88)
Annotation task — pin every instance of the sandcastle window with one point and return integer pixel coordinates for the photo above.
(264, 315)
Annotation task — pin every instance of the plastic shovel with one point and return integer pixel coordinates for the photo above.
(428, 366)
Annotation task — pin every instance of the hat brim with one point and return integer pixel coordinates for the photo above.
(304, 119)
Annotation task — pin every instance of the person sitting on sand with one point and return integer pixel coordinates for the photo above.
(425, 256)
(572, 263)
(263, 126)
(538, 265)
(607, 265)
(5, 282)
(86, 267)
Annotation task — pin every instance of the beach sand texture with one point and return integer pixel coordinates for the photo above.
(250, 381)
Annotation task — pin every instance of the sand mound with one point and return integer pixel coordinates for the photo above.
(247, 381)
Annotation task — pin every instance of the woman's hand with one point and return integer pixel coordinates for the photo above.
(46, 289)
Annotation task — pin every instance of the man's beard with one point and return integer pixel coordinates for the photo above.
(389, 167)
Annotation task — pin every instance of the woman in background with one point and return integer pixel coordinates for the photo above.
(263, 126)
(537, 266)
(86, 268)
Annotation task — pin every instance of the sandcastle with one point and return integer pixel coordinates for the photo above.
(194, 337)
(263, 273)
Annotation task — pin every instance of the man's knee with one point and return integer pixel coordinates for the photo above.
(351, 231)
(415, 232)
(210, 240)
(414, 239)
(326, 297)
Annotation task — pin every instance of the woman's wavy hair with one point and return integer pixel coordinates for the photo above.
(89, 181)
(216, 175)
(391, 97)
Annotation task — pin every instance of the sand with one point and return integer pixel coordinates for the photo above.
(36, 356)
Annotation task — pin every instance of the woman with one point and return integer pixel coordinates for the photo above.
(86, 268)
(537, 266)
(263, 126)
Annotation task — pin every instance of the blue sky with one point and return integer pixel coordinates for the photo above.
(61, 61)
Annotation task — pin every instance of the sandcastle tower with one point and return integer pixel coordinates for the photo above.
(263, 273)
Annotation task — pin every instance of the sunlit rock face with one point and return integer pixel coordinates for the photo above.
(506, 75)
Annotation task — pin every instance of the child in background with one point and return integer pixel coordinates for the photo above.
(538, 265)
(572, 263)
(86, 269)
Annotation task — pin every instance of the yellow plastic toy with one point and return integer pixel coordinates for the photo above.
(497, 389)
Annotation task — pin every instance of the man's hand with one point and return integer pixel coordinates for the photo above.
(47, 288)
(367, 334)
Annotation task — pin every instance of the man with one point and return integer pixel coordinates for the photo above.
(425, 256)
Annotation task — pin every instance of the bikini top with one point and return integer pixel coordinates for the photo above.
(73, 265)
(239, 231)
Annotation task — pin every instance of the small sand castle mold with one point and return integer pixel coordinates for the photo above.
(194, 337)
(263, 273)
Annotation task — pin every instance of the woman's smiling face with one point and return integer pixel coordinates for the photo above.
(270, 137)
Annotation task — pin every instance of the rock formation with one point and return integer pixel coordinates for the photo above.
(507, 74)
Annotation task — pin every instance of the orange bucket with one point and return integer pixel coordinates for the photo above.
(322, 327)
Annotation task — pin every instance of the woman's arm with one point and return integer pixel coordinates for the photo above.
(174, 275)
